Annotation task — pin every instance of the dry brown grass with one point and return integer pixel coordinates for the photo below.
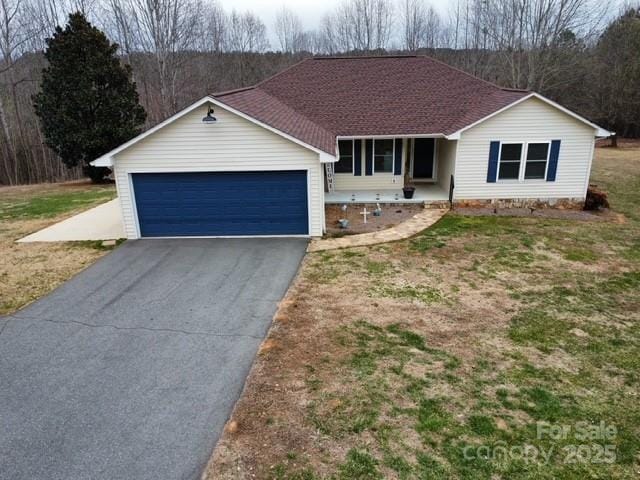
(31, 270)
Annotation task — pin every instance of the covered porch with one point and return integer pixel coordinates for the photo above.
(375, 170)
(424, 193)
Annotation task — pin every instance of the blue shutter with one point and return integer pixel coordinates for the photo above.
(397, 166)
(553, 160)
(357, 157)
(368, 157)
(492, 172)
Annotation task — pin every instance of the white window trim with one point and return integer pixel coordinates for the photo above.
(353, 158)
(523, 162)
(373, 156)
(546, 165)
(500, 162)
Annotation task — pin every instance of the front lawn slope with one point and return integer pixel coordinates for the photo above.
(441, 356)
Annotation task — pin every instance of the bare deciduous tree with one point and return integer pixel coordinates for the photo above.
(422, 25)
(247, 36)
(46, 15)
(288, 29)
(528, 34)
(163, 28)
(616, 103)
(359, 25)
(247, 33)
(15, 32)
(212, 29)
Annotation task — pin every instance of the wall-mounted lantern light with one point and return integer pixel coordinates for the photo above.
(209, 119)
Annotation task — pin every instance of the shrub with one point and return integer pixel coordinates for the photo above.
(596, 199)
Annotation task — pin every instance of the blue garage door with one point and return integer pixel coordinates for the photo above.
(222, 203)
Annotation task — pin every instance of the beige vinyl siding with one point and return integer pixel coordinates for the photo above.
(380, 181)
(446, 158)
(377, 181)
(530, 121)
(231, 144)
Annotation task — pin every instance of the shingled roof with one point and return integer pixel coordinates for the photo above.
(321, 98)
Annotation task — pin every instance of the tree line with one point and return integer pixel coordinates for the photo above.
(581, 53)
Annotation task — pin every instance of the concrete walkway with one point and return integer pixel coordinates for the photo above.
(103, 222)
(401, 231)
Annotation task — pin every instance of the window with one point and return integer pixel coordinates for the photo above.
(383, 156)
(510, 157)
(536, 164)
(345, 163)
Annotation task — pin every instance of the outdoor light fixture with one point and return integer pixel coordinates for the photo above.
(209, 119)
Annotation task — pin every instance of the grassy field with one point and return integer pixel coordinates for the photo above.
(28, 271)
(483, 348)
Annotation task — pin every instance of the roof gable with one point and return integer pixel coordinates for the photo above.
(599, 131)
(106, 160)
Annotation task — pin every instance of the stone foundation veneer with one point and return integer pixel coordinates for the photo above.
(534, 203)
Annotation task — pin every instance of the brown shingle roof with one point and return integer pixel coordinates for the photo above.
(321, 98)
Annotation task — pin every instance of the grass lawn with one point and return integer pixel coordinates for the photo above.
(449, 355)
(30, 270)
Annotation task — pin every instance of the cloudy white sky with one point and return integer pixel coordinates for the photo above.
(309, 11)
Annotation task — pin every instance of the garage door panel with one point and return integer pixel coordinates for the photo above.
(209, 204)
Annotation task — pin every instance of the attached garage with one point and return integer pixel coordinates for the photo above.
(221, 203)
(233, 177)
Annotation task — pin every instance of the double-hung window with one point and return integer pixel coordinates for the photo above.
(536, 162)
(510, 158)
(345, 162)
(534, 155)
(383, 155)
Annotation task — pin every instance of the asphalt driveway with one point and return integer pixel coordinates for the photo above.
(131, 369)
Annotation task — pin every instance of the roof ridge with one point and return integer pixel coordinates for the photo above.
(509, 89)
(277, 74)
(362, 57)
(494, 85)
(257, 85)
(233, 90)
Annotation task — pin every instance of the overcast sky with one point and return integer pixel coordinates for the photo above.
(309, 11)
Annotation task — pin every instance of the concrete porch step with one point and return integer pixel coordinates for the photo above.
(437, 205)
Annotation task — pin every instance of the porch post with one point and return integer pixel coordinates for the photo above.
(407, 163)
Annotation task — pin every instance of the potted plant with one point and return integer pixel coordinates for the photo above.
(408, 191)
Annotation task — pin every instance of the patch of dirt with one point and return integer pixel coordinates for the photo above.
(579, 333)
(601, 216)
(391, 215)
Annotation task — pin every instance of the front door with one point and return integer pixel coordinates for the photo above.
(423, 158)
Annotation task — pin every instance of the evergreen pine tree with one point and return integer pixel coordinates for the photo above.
(88, 104)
